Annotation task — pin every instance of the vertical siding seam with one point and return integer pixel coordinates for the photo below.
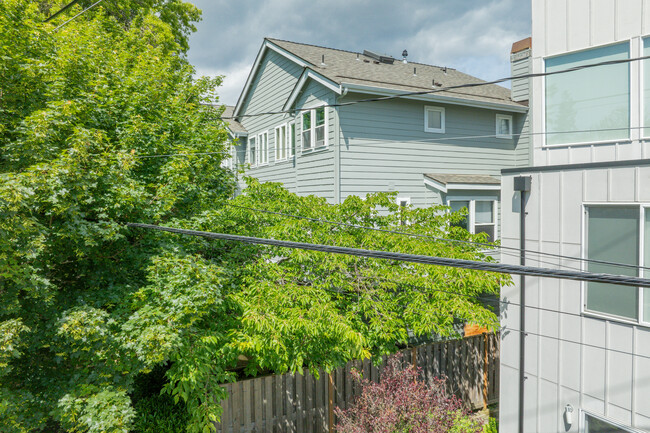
(634, 363)
(607, 363)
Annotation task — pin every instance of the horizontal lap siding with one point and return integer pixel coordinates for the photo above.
(384, 148)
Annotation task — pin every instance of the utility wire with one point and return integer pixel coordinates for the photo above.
(80, 13)
(60, 11)
(441, 239)
(443, 89)
(414, 258)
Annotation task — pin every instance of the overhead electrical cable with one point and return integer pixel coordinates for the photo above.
(415, 258)
(443, 89)
(441, 239)
(80, 13)
(60, 11)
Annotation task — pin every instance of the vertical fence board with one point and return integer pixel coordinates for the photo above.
(258, 402)
(319, 403)
(246, 385)
(268, 404)
(300, 394)
(309, 401)
(289, 395)
(279, 404)
(237, 403)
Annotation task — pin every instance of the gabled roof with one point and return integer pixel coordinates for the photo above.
(445, 182)
(235, 128)
(366, 74)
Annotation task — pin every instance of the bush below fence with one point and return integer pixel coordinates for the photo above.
(295, 403)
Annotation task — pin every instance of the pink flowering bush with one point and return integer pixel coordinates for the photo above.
(401, 403)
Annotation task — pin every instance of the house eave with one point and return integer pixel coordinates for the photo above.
(306, 75)
(452, 186)
(266, 45)
(383, 91)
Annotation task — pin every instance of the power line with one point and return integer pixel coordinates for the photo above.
(441, 239)
(60, 11)
(80, 13)
(414, 258)
(521, 270)
(443, 89)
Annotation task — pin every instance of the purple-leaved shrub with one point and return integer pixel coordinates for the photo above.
(400, 403)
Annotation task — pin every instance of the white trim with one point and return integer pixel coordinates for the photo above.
(309, 74)
(259, 148)
(291, 139)
(460, 186)
(507, 117)
(471, 215)
(617, 424)
(283, 144)
(434, 97)
(252, 163)
(441, 110)
(312, 135)
(260, 54)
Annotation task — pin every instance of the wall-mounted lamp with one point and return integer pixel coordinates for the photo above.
(568, 415)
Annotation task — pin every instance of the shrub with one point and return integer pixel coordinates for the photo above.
(401, 403)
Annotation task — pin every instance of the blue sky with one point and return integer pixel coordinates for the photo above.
(473, 36)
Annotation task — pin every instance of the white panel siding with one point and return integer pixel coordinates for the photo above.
(594, 365)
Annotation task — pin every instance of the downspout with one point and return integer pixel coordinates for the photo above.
(522, 184)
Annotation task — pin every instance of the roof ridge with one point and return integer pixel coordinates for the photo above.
(354, 52)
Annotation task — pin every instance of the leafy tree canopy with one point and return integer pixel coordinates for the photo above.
(88, 304)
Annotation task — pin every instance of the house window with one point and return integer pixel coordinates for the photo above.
(403, 203)
(504, 126)
(263, 151)
(646, 87)
(281, 143)
(480, 216)
(591, 104)
(598, 425)
(292, 139)
(314, 133)
(252, 152)
(434, 119)
(614, 234)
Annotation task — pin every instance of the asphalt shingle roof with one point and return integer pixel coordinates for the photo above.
(356, 68)
(445, 179)
(233, 125)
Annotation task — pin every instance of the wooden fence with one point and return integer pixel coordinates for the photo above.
(295, 403)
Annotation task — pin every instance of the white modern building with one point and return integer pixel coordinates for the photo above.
(586, 350)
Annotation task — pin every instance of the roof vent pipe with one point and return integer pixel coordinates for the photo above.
(322, 62)
(404, 56)
(358, 56)
(414, 71)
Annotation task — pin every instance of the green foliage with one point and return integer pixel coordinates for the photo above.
(88, 304)
(492, 426)
(159, 414)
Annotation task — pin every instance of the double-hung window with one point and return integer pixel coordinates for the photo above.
(434, 119)
(480, 216)
(291, 132)
(314, 128)
(263, 151)
(618, 235)
(281, 143)
(252, 151)
(591, 104)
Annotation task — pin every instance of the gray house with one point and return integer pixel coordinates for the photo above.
(446, 147)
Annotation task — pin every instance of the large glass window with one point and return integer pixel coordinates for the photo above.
(591, 104)
(306, 130)
(314, 129)
(597, 425)
(263, 152)
(613, 236)
(292, 139)
(281, 143)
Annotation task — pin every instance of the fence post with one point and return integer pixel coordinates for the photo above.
(330, 404)
(414, 356)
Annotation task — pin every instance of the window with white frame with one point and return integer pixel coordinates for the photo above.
(434, 119)
(403, 203)
(646, 87)
(263, 148)
(595, 424)
(252, 151)
(591, 104)
(504, 126)
(314, 128)
(292, 139)
(481, 216)
(281, 143)
(618, 234)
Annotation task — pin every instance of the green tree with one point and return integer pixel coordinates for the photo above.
(89, 304)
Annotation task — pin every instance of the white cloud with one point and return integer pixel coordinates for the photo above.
(234, 79)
